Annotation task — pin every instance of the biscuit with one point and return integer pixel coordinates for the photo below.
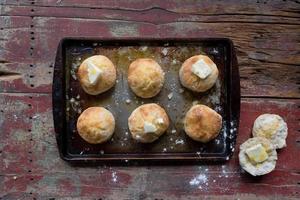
(257, 156)
(96, 125)
(272, 127)
(202, 123)
(148, 122)
(145, 77)
(97, 74)
(198, 73)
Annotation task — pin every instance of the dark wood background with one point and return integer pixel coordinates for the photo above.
(266, 35)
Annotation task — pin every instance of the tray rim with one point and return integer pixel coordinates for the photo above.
(58, 102)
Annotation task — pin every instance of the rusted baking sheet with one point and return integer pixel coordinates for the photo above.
(69, 99)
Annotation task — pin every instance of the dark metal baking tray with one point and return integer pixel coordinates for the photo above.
(69, 99)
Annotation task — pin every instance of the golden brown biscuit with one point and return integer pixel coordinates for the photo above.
(198, 73)
(202, 123)
(96, 125)
(148, 122)
(145, 77)
(97, 74)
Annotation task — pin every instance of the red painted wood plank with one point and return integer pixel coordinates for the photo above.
(279, 7)
(163, 16)
(268, 57)
(115, 184)
(19, 116)
(264, 72)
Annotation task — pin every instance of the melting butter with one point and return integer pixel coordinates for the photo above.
(201, 69)
(94, 72)
(257, 153)
(149, 127)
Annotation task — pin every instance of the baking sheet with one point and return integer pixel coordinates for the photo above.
(174, 98)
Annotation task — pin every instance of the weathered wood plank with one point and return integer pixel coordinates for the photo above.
(115, 185)
(268, 47)
(49, 176)
(275, 7)
(165, 16)
(268, 60)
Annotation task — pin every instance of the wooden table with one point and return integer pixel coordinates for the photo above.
(266, 35)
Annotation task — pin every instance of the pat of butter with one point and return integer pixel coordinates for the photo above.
(149, 127)
(160, 120)
(93, 72)
(201, 69)
(257, 153)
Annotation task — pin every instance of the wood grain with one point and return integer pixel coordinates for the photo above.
(266, 35)
(30, 162)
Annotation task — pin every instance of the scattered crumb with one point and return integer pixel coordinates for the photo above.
(215, 51)
(72, 100)
(164, 51)
(95, 44)
(78, 96)
(179, 141)
(15, 177)
(195, 102)
(81, 153)
(165, 149)
(126, 133)
(144, 48)
(101, 152)
(174, 61)
(170, 95)
(173, 131)
(181, 90)
(137, 137)
(128, 101)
